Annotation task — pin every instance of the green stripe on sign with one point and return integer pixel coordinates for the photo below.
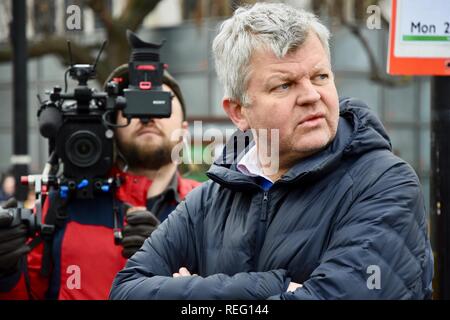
(426, 38)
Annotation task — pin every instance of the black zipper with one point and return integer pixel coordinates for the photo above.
(261, 228)
(264, 206)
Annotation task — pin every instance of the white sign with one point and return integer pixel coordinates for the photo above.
(423, 29)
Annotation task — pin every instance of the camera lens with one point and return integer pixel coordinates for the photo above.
(83, 148)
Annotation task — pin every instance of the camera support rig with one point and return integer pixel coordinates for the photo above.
(81, 136)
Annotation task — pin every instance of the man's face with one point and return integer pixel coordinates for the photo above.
(9, 185)
(149, 146)
(297, 95)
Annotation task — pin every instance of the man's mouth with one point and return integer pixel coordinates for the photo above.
(145, 131)
(312, 120)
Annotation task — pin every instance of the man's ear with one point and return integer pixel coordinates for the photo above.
(185, 125)
(184, 130)
(235, 112)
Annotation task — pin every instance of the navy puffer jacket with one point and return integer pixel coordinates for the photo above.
(347, 223)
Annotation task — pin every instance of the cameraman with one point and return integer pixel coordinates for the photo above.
(83, 257)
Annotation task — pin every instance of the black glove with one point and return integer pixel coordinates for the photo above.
(12, 240)
(140, 225)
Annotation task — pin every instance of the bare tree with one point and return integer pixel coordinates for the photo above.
(117, 50)
(350, 14)
(135, 11)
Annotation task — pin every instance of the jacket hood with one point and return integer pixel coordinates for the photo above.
(359, 131)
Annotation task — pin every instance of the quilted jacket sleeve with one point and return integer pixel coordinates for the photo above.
(148, 274)
(379, 249)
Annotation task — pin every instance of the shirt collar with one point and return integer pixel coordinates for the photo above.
(250, 165)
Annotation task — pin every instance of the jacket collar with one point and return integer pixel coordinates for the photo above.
(133, 189)
(358, 131)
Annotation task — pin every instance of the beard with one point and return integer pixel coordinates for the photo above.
(146, 155)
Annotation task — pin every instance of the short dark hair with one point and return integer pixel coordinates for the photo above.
(6, 174)
(121, 76)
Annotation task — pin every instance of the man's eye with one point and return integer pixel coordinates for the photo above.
(283, 86)
(323, 76)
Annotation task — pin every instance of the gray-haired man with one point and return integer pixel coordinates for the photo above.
(340, 217)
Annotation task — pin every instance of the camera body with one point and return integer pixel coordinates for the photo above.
(85, 146)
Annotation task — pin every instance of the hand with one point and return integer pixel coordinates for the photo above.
(12, 240)
(141, 224)
(293, 286)
(183, 272)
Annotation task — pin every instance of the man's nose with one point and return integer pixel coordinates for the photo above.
(146, 121)
(307, 93)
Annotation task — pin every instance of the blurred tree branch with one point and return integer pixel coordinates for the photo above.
(135, 12)
(351, 16)
(376, 73)
(115, 53)
(101, 10)
(354, 24)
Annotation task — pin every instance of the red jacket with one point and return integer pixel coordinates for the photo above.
(84, 256)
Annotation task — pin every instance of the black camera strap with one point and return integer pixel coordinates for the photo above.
(56, 217)
(26, 275)
(118, 212)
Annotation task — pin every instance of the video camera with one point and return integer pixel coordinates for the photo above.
(80, 124)
(80, 128)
